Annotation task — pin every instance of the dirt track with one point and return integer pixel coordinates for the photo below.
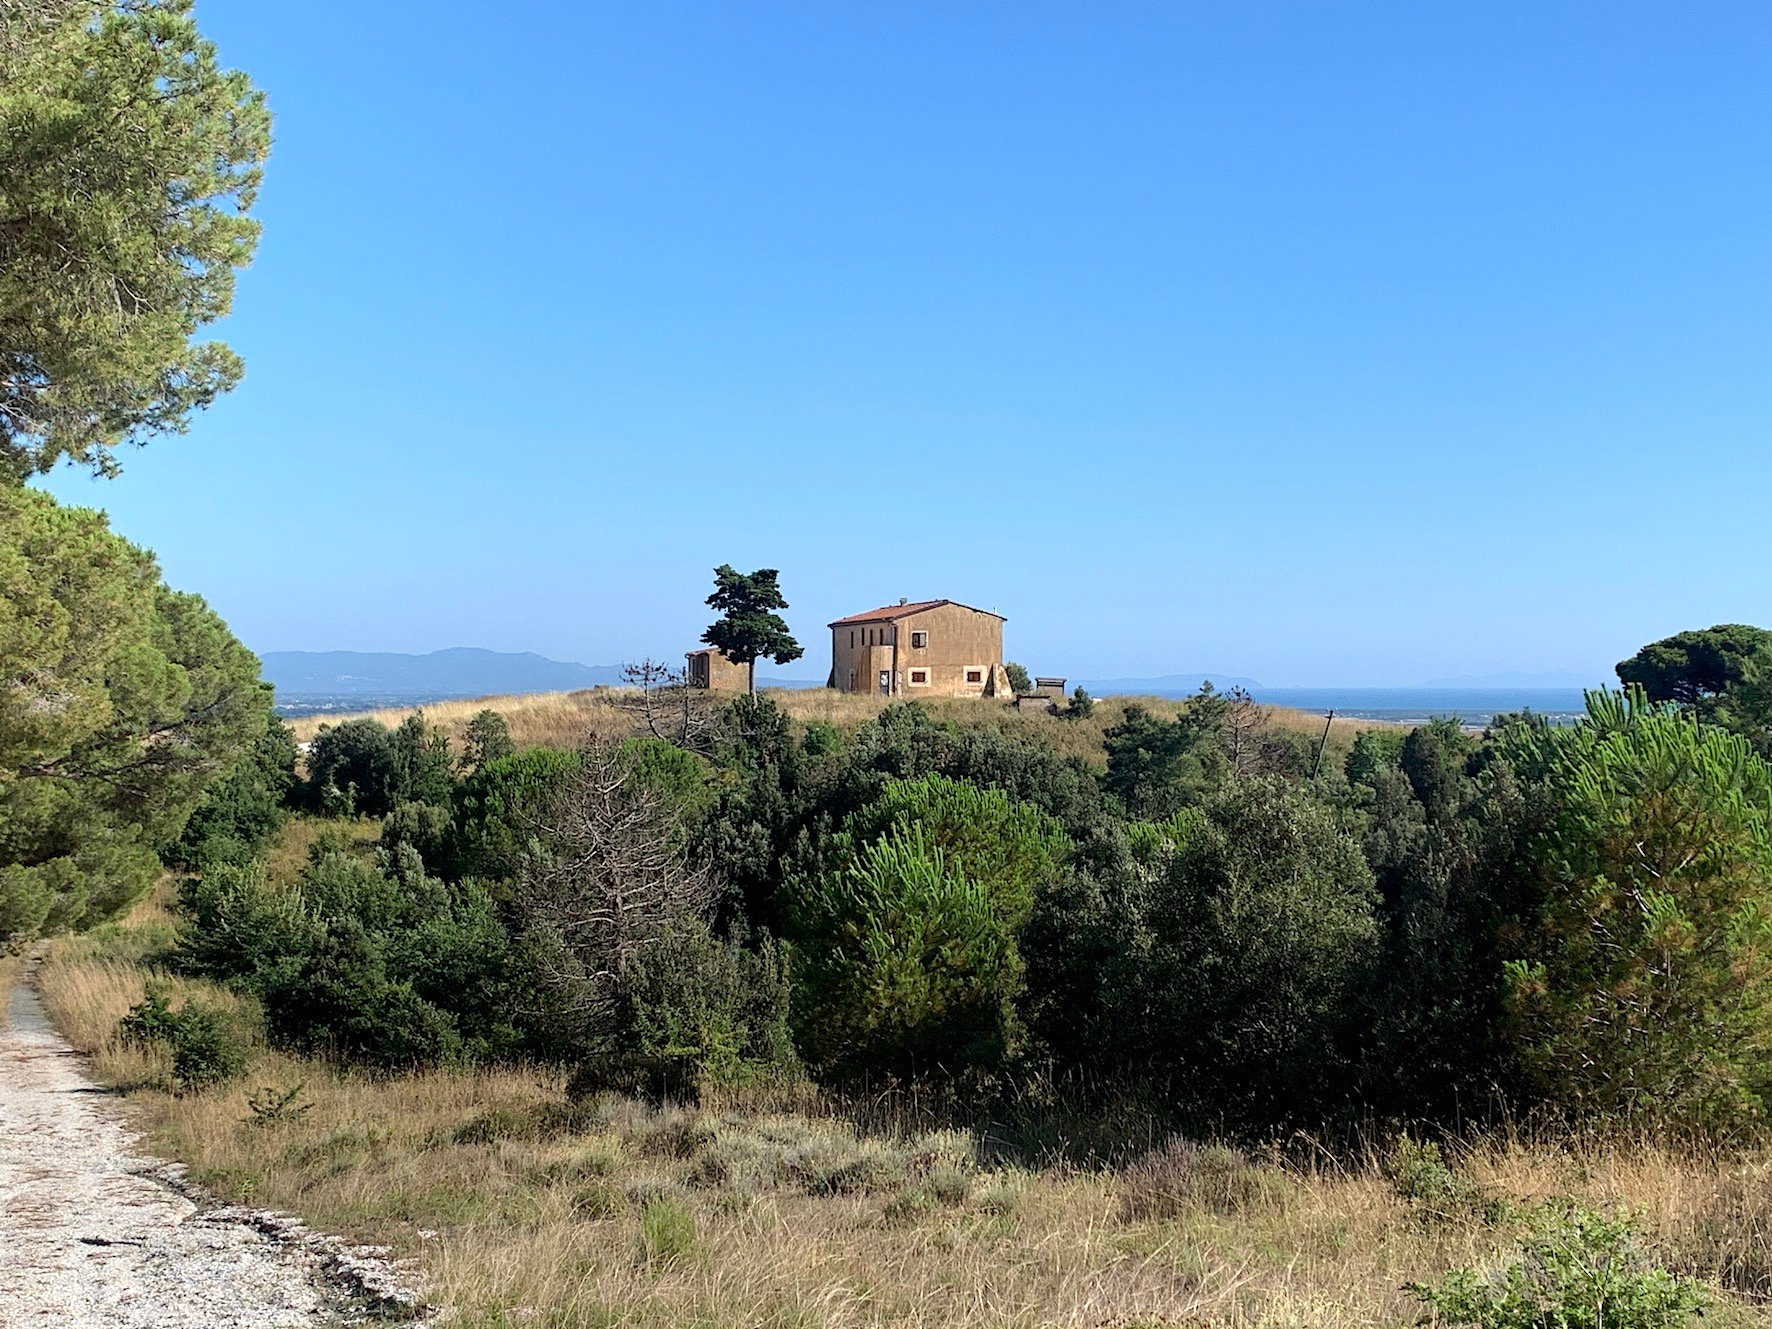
(90, 1236)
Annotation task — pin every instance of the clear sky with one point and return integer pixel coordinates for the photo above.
(1317, 343)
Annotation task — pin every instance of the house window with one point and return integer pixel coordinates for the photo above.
(852, 639)
(919, 678)
(975, 675)
(919, 640)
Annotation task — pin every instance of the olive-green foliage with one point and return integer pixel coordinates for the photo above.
(362, 767)
(694, 1011)
(381, 964)
(1262, 930)
(1019, 678)
(1156, 767)
(207, 1045)
(1645, 988)
(424, 826)
(495, 808)
(242, 812)
(486, 739)
(906, 963)
(120, 702)
(1576, 1269)
(128, 159)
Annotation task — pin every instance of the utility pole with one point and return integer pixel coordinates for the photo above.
(1323, 743)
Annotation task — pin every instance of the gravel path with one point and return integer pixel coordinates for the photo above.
(91, 1235)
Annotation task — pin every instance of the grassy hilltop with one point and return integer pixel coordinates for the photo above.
(563, 719)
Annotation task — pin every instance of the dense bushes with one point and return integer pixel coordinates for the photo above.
(363, 767)
(1262, 929)
(240, 814)
(378, 963)
(1644, 989)
(1441, 926)
(908, 954)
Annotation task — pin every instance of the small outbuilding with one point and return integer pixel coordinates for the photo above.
(710, 671)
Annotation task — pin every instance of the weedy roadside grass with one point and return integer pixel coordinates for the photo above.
(566, 719)
(12, 968)
(525, 1209)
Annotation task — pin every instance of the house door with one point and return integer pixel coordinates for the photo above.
(886, 682)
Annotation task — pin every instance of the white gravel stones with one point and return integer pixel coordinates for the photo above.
(91, 1235)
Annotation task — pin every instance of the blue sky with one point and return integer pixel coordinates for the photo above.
(1321, 344)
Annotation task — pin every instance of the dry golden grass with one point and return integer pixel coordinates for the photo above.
(12, 968)
(566, 719)
(520, 1209)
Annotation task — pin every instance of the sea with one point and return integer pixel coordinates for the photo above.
(1473, 708)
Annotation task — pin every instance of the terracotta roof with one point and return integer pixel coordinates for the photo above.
(891, 613)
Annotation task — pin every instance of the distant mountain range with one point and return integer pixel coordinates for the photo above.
(462, 671)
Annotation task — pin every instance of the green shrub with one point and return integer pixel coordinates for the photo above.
(1156, 767)
(1419, 1175)
(492, 809)
(1645, 990)
(242, 812)
(365, 768)
(424, 826)
(694, 1011)
(206, 1043)
(907, 963)
(271, 1106)
(206, 1048)
(385, 966)
(667, 1230)
(1576, 1269)
(1261, 932)
(486, 738)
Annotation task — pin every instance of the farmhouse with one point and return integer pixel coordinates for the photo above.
(920, 648)
(710, 670)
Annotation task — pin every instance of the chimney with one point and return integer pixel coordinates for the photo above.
(903, 600)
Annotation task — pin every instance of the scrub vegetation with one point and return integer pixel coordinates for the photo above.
(924, 1019)
(637, 1007)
